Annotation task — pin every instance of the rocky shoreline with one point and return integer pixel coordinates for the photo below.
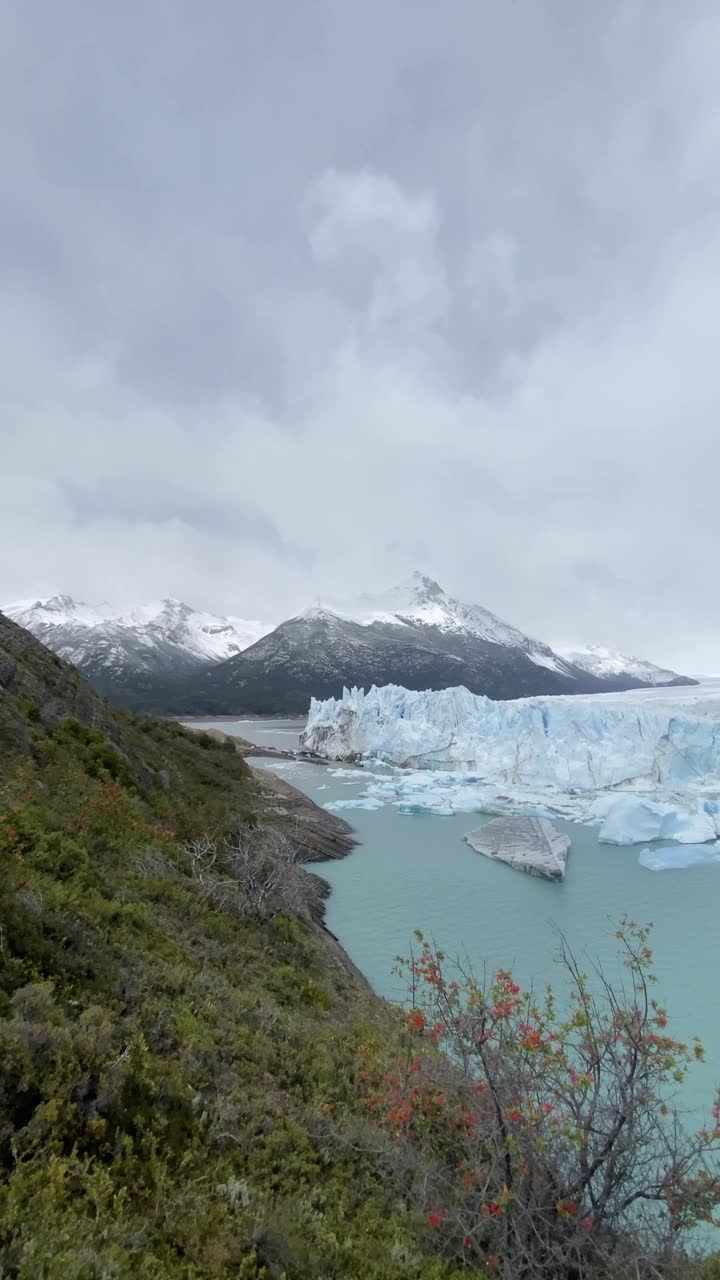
(247, 748)
(320, 837)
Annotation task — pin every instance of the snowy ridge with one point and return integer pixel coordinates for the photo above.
(109, 637)
(607, 663)
(59, 611)
(422, 601)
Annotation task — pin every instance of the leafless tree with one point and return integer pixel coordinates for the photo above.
(254, 873)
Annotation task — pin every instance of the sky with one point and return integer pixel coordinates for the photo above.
(297, 298)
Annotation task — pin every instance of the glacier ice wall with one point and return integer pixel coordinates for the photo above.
(576, 747)
(585, 743)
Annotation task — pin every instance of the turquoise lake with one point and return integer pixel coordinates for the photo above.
(416, 872)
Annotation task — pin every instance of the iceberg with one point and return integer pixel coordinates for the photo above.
(633, 819)
(679, 857)
(527, 844)
(645, 766)
(360, 802)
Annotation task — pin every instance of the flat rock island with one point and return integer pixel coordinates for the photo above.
(527, 844)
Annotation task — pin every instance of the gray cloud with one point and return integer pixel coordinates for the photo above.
(296, 296)
(238, 521)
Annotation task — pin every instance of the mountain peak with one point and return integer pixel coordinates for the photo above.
(426, 588)
(57, 604)
(317, 613)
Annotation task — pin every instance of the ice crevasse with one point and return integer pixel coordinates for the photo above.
(643, 768)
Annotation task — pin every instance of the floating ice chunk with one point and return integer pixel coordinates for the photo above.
(679, 857)
(359, 802)
(533, 845)
(692, 827)
(633, 819)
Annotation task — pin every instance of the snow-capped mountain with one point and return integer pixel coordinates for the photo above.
(609, 664)
(422, 602)
(416, 636)
(115, 648)
(169, 658)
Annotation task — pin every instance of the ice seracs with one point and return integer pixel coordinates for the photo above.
(532, 845)
(581, 743)
(643, 765)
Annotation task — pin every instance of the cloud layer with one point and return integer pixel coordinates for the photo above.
(295, 302)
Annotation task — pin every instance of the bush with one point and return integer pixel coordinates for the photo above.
(558, 1150)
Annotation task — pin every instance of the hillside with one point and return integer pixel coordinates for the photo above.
(170, 1058)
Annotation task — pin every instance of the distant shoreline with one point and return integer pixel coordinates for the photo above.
(244, 716)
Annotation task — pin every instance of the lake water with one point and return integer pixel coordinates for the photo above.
(416, 872)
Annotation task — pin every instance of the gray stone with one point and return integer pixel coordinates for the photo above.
(527, 844)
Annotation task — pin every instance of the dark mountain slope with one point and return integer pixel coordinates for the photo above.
(317, 653)
(416, 636)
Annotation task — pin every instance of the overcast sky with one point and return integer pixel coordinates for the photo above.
(299, 296)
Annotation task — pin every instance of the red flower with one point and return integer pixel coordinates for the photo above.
(467, 1242)
(437, 1217)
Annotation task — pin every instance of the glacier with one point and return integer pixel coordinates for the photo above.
(642, 765)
